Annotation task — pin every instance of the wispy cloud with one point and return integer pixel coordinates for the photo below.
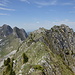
(4, 6)
(25, 1)
(72, 12)
(4, 2)
(1, 8)
(3, 14)
(41, 2)
(46, 3)
(67, 4)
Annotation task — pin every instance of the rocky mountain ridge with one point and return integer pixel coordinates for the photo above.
(45, 52)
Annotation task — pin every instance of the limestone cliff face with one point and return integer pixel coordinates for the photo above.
(46, 52)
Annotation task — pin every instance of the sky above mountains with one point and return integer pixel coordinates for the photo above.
(32, 14)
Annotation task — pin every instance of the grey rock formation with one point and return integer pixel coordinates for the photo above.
(5, 30)
(19, 33)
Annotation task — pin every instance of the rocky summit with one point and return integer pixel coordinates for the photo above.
(43, 52)
(5, 30)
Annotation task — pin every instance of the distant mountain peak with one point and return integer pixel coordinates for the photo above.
(20, 33)
(6, 30)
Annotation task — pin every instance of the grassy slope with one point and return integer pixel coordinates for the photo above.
(38, 52)
(10, 43)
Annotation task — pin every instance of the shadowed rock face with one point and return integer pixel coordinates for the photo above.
(5, 30)
(19, 33)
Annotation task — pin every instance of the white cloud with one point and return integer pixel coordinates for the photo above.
(53, 2)
(67, 4)
(25, 1)
(37, 22)
(73, 7)
(3, 14)
(46, 3)
(1, 8)
(41, 2)
(72, 12)
(4, 2)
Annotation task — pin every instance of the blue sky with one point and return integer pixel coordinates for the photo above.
(32, 14)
